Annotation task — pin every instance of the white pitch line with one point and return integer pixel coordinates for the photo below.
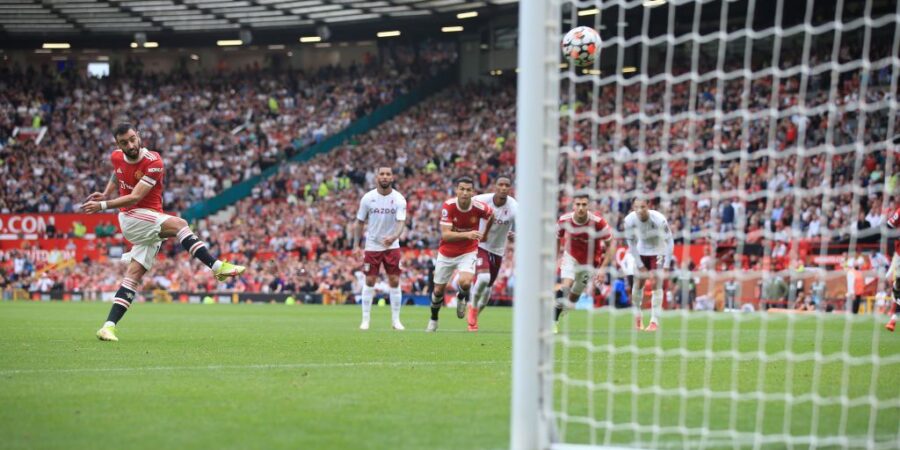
(323, 365)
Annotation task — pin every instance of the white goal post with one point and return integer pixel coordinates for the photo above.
(537, 131)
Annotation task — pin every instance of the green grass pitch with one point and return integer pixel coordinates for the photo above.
(274, 376)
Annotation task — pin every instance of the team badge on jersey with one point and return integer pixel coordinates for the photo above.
(138, 174)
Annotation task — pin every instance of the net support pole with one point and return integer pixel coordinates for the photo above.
(537, 141)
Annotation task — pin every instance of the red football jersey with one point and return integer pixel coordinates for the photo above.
(575, 238)
(894, 222)
(147, 169)
(462, 221)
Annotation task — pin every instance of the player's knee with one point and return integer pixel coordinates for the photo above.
(393, 281)
(370, 281)
(172, 225)
(135, 272)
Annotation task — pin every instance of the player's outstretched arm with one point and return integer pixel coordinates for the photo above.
(107, 193)
(140, 191)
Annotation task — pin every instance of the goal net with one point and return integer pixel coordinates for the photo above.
(765, 131)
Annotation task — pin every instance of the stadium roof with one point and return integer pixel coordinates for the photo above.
(25, 19)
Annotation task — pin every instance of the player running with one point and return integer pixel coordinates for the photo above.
(383, 212)
(651, 243)
(458, 249)
(138, 174)
(493, 246)
(582, 236)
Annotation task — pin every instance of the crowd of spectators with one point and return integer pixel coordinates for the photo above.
(212, 129)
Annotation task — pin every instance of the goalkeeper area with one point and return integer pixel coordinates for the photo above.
(245, 376)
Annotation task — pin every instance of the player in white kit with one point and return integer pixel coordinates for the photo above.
(651, 243)
(382, 211)
(492, 248)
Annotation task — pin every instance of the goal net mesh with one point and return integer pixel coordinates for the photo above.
(762, 130)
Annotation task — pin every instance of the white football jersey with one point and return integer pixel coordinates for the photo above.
(650, 238)
(381, 212)
(504, 221)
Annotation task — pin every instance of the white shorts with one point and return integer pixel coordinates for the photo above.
(569, 269)
(141, 227)
(445, 265)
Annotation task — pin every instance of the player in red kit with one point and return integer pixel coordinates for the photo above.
(893, 224)
(586, 244)
(138, 174)
(458, 249)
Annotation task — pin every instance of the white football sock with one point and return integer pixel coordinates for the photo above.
(637, 298)
(368, 293)
(656, 302)
(109, 324)
(482, 288)
(216, 265)
(396, 302)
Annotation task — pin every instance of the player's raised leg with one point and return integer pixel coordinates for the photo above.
(178, 227)
(122, 301)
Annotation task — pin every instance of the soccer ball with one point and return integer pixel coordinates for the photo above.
(581, 45)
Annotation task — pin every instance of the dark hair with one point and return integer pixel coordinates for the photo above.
(499, 177)
(581, 194)
(122, 128)
(465, 179)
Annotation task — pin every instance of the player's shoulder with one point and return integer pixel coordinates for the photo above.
(480, 205)
(657, 216)
(566, 217)
(484, 197)
(596, 218)
(151, 157)
(630, 217)
(511, 201)
(117, 155)
(398, 196)
(366, 197)
(450, 202)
